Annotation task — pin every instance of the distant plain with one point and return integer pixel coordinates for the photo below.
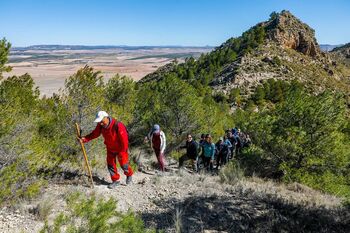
(51, 65)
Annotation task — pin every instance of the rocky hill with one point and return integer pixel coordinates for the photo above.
(282, 47)
(289, 51)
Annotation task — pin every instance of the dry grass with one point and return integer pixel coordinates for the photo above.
(178, 220)
(295, 193)
(42, 210)
(231, 173)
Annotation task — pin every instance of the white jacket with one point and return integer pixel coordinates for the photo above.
(162, 140)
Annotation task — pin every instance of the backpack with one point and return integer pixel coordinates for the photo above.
(198, 147)
(116, 127)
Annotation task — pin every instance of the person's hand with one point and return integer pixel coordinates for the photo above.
(81, 139)
(145, 140)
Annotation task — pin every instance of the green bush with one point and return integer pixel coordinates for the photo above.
(4, 52)
(302, 139)
(120, 92)
(231, 173)
(89, 214)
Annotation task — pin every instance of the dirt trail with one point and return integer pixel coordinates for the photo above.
(201, 204)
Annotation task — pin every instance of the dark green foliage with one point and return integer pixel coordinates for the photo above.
(302, 139)
(18, 98)
(120, 93)
(4, 52)
(83, 93)
(235, 96)
(273, 15)
(18, 101)
(120, 90)
(220, 97)
(259, 95)
(172, 103)
(273, 91)
(19, 91)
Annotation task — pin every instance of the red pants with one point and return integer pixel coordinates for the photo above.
(123, 162)
(160, 158)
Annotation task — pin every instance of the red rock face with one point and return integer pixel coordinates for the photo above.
(290, 32)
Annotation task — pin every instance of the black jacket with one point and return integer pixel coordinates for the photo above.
(191, 149)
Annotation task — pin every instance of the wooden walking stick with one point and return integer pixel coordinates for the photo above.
(85, 156)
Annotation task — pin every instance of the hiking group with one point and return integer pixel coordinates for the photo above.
(202, 154)
(207, 155)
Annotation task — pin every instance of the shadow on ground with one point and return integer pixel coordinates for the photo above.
(72, 177)
(245, 214)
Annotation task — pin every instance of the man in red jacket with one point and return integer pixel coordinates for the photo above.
(116, 140)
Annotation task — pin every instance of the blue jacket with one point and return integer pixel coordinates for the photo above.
(228, 143)
(209, 150)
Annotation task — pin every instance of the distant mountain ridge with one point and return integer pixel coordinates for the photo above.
(329, 47)
(91, 47)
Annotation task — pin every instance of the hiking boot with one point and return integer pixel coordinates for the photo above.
(129, 180)
(114, 184)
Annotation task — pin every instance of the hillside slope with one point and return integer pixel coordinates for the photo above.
(199, 203)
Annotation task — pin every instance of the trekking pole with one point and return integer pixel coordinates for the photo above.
(84, 153)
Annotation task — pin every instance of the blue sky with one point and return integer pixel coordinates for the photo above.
(159, 22)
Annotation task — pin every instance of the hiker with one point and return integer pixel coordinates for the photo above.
(248, 141)
(236, 134)
(200, 160)
(229, 146)
(191, 152)
(201, 141)
(222, 148)
(245, 139)
(158, 143)
(233, 142)
(208, 152)
(116, 140)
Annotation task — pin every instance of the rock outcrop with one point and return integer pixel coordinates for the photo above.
(289, 32)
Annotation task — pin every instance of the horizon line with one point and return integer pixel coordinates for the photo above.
(116, 46)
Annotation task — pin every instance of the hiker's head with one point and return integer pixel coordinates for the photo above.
(221, 139)
(208, 138)
(156, 128)
(189, 137)
(102, 118)
(203, 136)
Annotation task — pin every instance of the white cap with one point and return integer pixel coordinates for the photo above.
(100, 115)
